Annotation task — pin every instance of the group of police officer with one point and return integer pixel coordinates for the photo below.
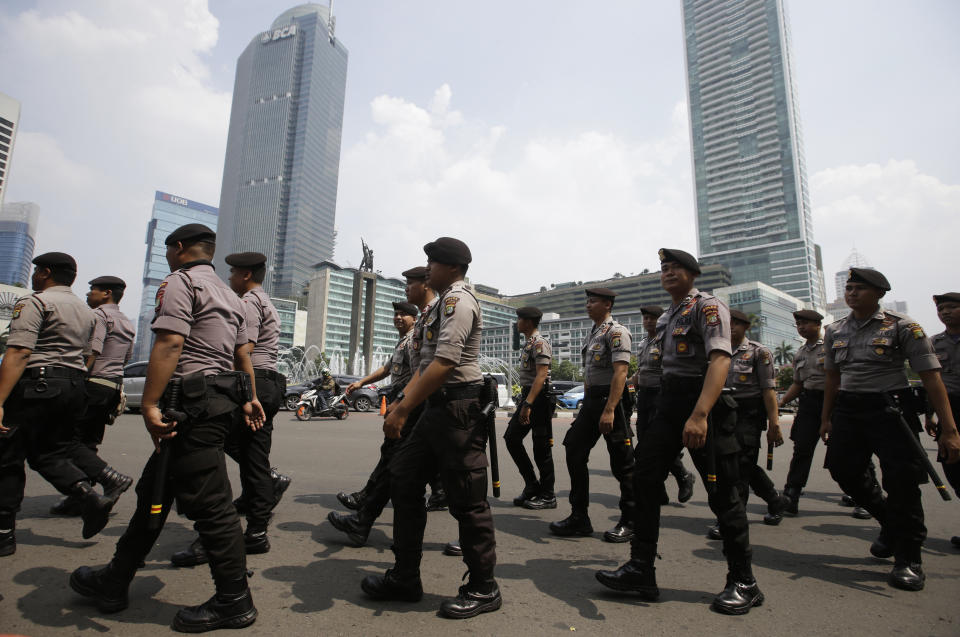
(213, 388)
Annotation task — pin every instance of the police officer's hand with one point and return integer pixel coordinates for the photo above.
(394, 422)
(775, 435)
(157, 428)
(352, 386)
(525, 414)
(949, 444)
(825, 427)
(930, 425)
(695, 432)
(3, 429)
(606, 421)
(254, 415)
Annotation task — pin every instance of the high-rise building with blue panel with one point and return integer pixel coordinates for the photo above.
(279, 190)
(18, 234)
(9, 123)
(753, 210)
(169, 213)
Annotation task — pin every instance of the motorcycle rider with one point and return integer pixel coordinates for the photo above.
(326, 387)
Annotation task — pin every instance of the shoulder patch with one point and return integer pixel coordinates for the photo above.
(158, 301)
(712, 313)
(616, 340)
(765, 357)
(916, 330)
(17, 309)
(450, 304)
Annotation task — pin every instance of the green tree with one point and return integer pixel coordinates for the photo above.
(754, 326)
(784, 377)
(783, 353)
(565, 370)
(632, 367)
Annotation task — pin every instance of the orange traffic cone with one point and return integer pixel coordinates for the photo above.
(383, 405)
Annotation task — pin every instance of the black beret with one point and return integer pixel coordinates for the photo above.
(603, 293)
(419, 272)
(109, 282)
(737, 315)
(191, 232)
(529, 312)
(449, 251)
(250, 260)
(652, 310)
(946, 297)
(406, 308)
(870, 277)
(808, 315)
(60, 260)
(685, 259)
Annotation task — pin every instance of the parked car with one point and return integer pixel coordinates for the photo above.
(134, 377)
(573, 398)
(562, 386)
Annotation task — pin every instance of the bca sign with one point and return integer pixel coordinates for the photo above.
(278, 34)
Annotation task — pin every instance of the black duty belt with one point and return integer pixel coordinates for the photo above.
(649, 390)
(812, 393)
(52, 372)
(597, 391)
(874, 400)
(682, 384)
(269, 374)
(455, 392)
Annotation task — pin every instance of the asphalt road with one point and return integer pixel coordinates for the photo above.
(816, 571)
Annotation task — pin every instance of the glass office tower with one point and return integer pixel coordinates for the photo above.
(279, 189)
(18, 234)
(169, 213)
(753, 210)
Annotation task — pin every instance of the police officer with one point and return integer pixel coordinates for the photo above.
(946, 344)
(200, 338)
(606, 356)
(377, 490)
(450, 436)
(42, 394)
(696, 357)
(646, 380)
(261, 487)
(866, 385)
(534, 413)
(109, 349)
(755, 390)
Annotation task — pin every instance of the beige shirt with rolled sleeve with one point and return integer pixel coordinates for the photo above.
(112, 341)
(55, 325)
(608, 343)
(263, 328)
(452, 330)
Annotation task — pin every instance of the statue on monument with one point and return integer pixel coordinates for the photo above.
(367, 264)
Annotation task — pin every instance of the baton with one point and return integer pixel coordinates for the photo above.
(769, 456)
(488, 413)
(920, 451)
(711, 459)
(170, 414)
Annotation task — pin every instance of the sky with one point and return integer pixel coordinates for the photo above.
(552, 137)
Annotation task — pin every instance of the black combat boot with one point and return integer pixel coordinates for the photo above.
(453, 549)
(741, 592)
(255, 540)
(686, 487)
(281, 483)
(775, 508)
(95, 509)
(241, 505)
(546, 500)
(478, 595)
(530, 491)
(192, 556)
(351, 525)
(793, 507)
(69, 506)
(8, 542)
(438, 499)
(351, 500)
(637, 575)
(394, 586)
(955, 540)
(114, 483)
(713, 533)
(622, 532)
(231, 607)
(907, 576)
(881, 546)
(107, 586)
(576, 524)
(860, 513)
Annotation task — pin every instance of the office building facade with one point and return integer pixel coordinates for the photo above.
(9, 121)
(752, 204)
(169, 213)
(280, 175)
(18, 235)
(771, 309)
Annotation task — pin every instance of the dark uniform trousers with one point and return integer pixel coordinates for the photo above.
(101, 402)
(583, 436)
(377, 489)
(805, 433)
(450, 436)
(198, 481)
(646, 407)
(42, 416)
(751, 423)
(660, 444)
(541, 424)
(861, 427)
(251, 449)
(952, 471)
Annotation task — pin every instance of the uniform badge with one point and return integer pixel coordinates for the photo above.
(879, 351)
(655, 354)
(820, 360)
(616, 341)
(712, 313)
(766, 357)
(449, 305)
(880, 341)
(429, 335)
(677, 331)
(743, 378)
(916, 330)
(839, 344)
(16, 310)
(682, 348)
(416, 346)
(597, 346)
(159, 299)
(396, 368)
(539, 348)
(746, 356)
(596, 357)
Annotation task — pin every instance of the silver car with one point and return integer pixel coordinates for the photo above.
(134, 376)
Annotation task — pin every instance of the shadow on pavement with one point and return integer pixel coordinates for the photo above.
(28, 537)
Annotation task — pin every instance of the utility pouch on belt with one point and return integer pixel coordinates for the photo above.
(38, 388)
(725, 412)
(193, 388)
(488, 395)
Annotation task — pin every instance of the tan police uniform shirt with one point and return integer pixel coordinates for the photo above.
(262, 323)
(808, 366)
(55, 325)
(751, 370)
(416, 338)
(112, 341)
(870, 355)
(947, 350)
(401, 370)
(536, 351)
(608, 343)
(649, 363)
(452, 331)
(194, 303)
(690, 331)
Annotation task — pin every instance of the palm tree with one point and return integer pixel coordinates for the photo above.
(782, 353)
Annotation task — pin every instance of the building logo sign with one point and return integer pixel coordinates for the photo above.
(177, 200)
(278, 34)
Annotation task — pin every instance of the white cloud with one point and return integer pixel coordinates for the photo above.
(903, 221)
(581, 206)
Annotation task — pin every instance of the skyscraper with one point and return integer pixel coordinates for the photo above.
(9, 121)
(18, 234)
(279, 189)
(169, 213)
(753, 210)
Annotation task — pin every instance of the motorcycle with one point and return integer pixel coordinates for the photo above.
(309, 406)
